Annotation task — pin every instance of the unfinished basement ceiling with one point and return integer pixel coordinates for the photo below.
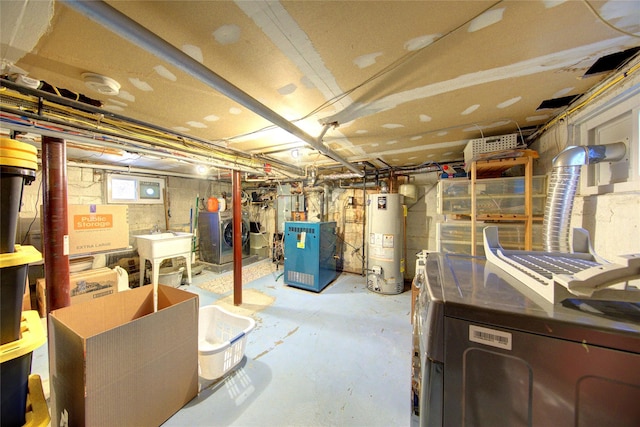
(403, 83)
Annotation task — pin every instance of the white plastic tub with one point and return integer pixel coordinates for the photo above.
(164, 245)
(222, 338)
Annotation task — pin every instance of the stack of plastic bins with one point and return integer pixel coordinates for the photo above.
(15, 366)
(18, 164)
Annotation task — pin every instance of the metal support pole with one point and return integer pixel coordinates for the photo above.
(54, 218)
(364, 222)
(237, 239)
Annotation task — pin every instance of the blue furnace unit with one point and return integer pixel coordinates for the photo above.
(309, 254)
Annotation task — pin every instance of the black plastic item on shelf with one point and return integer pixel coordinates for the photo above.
(12, 281)
(18, 164)
(14, 268)
(12, 181)
(14, 388)
(15, 367)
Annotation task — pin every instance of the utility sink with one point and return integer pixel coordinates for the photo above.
(164, 245)
(158, 247)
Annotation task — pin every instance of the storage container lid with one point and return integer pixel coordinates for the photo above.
(18, 154)
(22, 255)
(32, 337)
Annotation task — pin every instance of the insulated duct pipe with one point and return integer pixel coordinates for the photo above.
(127, 28)
(563, 186)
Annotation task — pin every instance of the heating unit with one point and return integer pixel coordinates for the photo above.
(309, 254)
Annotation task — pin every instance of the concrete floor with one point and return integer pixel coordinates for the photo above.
(338, 358)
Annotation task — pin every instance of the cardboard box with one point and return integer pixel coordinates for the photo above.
(83, 286)
(26, 298)
(97, 228)
(114, 362)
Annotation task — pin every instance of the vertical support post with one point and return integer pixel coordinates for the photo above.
(237, 238)
(54, 219)
(365, 252)
(474, 177)
(528, 205)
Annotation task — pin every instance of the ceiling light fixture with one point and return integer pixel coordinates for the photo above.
(201, 169)
(101, 84)
(295, 153)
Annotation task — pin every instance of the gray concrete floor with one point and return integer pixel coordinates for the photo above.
(341, 357)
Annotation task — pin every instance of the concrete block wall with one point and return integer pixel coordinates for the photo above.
(350, 223)
(87, 186)
(421, 219)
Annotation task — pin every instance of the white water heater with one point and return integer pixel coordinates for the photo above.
(385, 234)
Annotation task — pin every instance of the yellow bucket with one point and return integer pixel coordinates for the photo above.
(18, 154)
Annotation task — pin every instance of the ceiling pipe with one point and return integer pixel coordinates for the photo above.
(245, 157)
(67, 102)
(129, 29)
(141, 171)
(133, 148)
(381, 174)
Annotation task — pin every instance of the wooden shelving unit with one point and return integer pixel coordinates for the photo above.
(494, 167)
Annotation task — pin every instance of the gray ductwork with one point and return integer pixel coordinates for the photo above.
(127, 28)
(563, 185)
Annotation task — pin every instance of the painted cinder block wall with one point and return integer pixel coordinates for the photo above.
(86, 186)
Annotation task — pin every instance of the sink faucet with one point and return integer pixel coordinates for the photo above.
(155, 229)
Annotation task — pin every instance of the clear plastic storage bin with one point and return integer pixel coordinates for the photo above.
(455, 236)
(493, 196)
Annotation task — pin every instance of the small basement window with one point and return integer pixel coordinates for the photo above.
(130, 189)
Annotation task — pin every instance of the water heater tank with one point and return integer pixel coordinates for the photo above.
(385, 230)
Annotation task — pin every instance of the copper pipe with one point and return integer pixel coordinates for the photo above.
(237, 238)
(55, 226)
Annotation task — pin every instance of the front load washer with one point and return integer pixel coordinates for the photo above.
(209, 236)
(216, 237)
(226, 237)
